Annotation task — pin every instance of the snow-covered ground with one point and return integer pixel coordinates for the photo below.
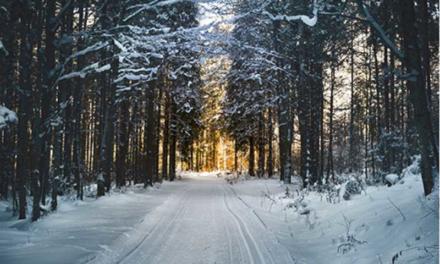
(78, 228)
(204, 219)
(394, 224)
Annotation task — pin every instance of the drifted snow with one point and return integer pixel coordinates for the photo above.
(204, 219)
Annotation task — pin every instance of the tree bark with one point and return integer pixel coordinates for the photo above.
(173, 143)
(261, 145)
(123, 141)
(149, 136)
(251, 165)
(270, 145)
(330, 168)
(166, 136)
(25, 108)
(417, 92)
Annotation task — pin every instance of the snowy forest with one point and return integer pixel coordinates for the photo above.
(219, 131)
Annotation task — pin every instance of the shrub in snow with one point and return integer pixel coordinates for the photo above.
(352, 187)
(414, 168)
(233, 178)
(344, 186)
(7, 117)
(348, 241)
(391, 179)
(298, 203)
(287, 193)
(330, 192)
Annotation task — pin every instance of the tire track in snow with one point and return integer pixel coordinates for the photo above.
(246, 236)
(228, 234)
(156, 252)
(163, 233)
(248, 206)
(263, 224)
(150, 232)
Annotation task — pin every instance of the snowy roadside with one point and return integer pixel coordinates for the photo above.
(78, 228)
(394, 224)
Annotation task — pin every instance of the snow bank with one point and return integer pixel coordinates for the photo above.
(394, 224)
(383, 224)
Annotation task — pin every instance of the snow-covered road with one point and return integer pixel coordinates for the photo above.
(204, 221)
(198, 219)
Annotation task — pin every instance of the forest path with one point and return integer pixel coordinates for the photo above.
(203, 221)
(198, 219)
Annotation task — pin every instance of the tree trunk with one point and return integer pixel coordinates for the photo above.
(149, 136)
(426, 66)
(417, 92)
(36, 195)
(251, 165)
(78, 94)
(270, 146)
(261, 144)
(166, 136)
(351, 153)
(49, 53)
(123, 141)
(235, 156)
(158, 113)
(173, 143)
(330, 169)
(25, 109)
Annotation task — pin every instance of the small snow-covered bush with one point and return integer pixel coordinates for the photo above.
(330, 192)
(7, 117)
(343, 187)
(352, 186)
(391, 179)
(348, 241)
(235, 177)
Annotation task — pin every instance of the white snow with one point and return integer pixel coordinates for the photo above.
(7, 117)
(309, 21)
(77, 229)
(203, 218)
(3, 48)
(119, 45)
(373, 227)
(392, 178)
(92, 68)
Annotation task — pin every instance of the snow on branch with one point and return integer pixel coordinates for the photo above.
(119, 45)
(309, 21)
(2, 48)
(93, 68)
(382, 35)
(7, 117)
(95, 47)
(150, 6)
(137, 75)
